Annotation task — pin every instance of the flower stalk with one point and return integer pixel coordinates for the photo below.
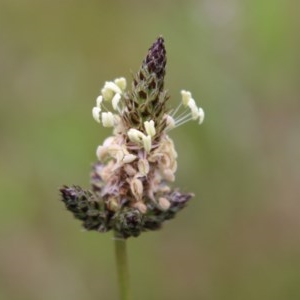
(122, 268)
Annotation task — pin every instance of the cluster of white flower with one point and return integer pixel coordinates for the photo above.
(130, 181)
(113, 91)
(140, 138)
(190, 112)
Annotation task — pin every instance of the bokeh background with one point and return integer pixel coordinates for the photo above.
(240, 236)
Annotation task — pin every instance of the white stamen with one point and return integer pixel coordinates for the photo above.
(135, 135)
(112, 86)
(128, 158)
(107, 94)
(174, 112)
(96, 113)
(183, 113)
(195, 113)
(107, 119)
(99, 101)
(187, 116)
(150, 128)
(201, 115)
(101, 152)
(115, 101)
(184, 120)
(121, 83)
(147, 143)
(170, 122)
(186, 96)
(191, 103)
(194, 109)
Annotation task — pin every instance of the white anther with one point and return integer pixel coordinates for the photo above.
(135, 135)
(107, 94)
(96, 113)
(112, 86)
(115, 101)
(170, 122)
(186, 96)
(107, 119)
(121, 83)
(191, 104)
(99, 101)
(195, 113)
(128, 158)
(194, 109)
(201, 115)
(147, 143)
(150, 128)
(101, 152)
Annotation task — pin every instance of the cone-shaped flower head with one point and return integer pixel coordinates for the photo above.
(130, 182)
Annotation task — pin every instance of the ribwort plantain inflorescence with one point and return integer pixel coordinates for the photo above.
(130, 183)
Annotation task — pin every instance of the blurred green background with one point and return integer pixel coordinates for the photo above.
(239, 238)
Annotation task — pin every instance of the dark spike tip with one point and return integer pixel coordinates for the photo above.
(69, 193)
(156, 58)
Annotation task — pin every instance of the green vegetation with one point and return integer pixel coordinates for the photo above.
(239, 236)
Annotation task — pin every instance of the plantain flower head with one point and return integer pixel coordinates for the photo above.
(131, 181)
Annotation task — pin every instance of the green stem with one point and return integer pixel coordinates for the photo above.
(122, 268)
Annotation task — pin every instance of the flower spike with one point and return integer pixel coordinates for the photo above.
(130, 191)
